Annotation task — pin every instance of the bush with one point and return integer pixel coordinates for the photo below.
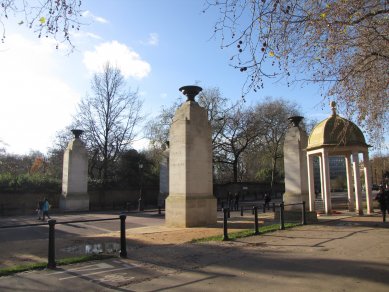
(29, 183)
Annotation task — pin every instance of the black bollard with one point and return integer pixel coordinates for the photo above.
(274, 207)
(51, 256)
(225, 230)
(282, 223)
(241, 211)
(256, 220)
(123, 245)
(304, 214)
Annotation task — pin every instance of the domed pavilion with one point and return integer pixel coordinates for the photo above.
(336, 136)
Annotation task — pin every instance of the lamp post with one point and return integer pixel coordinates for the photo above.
(140, 203)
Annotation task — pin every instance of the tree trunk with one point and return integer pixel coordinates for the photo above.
(235, 169)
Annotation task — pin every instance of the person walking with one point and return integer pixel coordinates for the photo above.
(267, 200)
(236, 203)
(382, 199)
(45, 209)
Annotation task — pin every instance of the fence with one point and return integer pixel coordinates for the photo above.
(51, 264)
(281, 206)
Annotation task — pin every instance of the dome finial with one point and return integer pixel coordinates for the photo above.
(333, 107)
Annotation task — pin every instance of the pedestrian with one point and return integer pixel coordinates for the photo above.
(267, 200)
(237, 196)
(39, 209)
(45, 209)
(382, 199)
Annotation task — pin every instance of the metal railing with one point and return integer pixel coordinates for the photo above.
(51, 264)
(281, 206)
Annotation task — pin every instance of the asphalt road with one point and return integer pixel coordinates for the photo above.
(349, 254)
(29, 244)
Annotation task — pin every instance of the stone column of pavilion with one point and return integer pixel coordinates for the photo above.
(350, 192)
(368, 182)
(74, 195)
(338, 136)
(296, 183)
(190, 202)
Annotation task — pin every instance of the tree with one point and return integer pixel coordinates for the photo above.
(49, 18)
(239, 132)
(109, 117)
(342, 45)
(272, 119)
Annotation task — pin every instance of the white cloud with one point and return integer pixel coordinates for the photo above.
(82, 34)
(35, 101)
(128, 61)
(141, 144)
(153, 39)
(88, 14)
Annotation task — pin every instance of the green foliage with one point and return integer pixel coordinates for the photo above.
(264, 175)
(29, 183)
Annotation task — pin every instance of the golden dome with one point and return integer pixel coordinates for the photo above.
(335, 131)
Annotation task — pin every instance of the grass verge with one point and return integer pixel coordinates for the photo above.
(245, 233)
(62, 262)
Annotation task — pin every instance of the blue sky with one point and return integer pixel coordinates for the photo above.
(159, 46)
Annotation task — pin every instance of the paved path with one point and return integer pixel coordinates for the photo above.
(348, 254)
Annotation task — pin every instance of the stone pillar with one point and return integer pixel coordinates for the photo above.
(350, 192)
(190, 202)
(327, 186)
(295, 164)
(296, 173)
(75, 176)
(357, 184)
(311, 183)
(368, 184)
(163, 178)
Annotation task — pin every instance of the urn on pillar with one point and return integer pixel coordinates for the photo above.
(190, 202)
(74, 195)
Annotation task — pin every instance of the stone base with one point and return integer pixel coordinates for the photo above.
(190, 211)
(74, 202)
(294, 216)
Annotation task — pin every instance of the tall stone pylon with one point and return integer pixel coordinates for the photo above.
(74, 195)
(190, 202)
(296, 172)
(295, 164)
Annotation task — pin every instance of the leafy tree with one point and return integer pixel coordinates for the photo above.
(109, 117)
(380, 168)
(20, 164)
(129, 173)
(238, 134)
(49, 18)
(272, 119)
(342, 45)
